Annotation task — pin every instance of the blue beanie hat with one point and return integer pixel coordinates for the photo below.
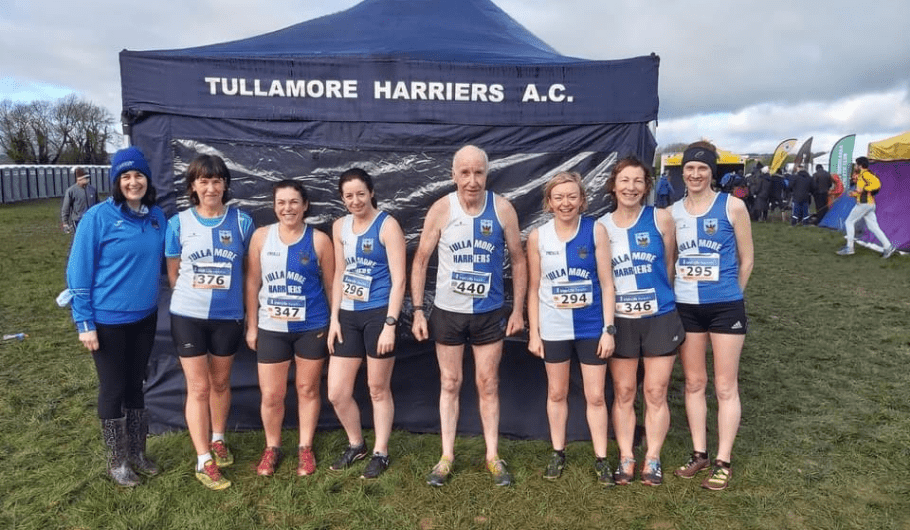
(128, 159)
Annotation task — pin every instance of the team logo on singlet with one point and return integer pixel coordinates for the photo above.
(225, 237)
(303, 257)
(710, 226)
(366, 245)
(486, 227)
(583, 252)
(643, 239)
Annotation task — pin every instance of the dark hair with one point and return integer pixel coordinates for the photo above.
(211, 166)
(629, 161)
(863, 162)
(294, 184)
(148, 199)
(356, 173)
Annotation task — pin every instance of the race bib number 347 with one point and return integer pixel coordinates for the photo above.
(287, 308)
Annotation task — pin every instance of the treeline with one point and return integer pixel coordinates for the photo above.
(67, 131)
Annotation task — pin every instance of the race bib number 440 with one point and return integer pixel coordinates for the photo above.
(698, 267)
(212, 276)
(287, 308)
(474, 284)
(573, 295)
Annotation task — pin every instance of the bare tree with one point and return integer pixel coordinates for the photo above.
(68, 131)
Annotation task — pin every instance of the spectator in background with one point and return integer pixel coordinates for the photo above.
(664, 191)
(801, 186)
(761, 190)
(867, 187)
(821, 185)
(77, 199)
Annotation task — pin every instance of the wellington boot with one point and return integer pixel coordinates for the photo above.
(137, 429)
(114, 434)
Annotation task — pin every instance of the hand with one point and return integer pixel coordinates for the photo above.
(535, 346)
(334, 334)
(66, 228)
(89, 339)
(419, 327)
(386, 340)
(606, 346)
(516, 323)
(252, 335)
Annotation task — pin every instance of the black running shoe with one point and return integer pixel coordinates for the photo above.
(350, 455)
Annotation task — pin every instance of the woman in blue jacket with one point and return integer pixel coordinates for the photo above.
(113, 274)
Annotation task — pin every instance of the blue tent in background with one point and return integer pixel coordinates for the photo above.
(396, 87)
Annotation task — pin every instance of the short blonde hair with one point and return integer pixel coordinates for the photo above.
(561, 178)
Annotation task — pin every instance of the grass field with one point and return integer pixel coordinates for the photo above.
(824, 443)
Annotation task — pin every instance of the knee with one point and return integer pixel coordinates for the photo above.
(220, 386)
(307, 391)
(272, 400)
(380, 393)
(623, 394)
(726, 390)
(655, 395)
(450, 384)
(198, 390)
(696, 384)
(337, 397)
(488, 387)
(557, 395)
(595, 400)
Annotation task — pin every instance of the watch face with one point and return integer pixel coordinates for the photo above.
(391, 321)
(611, 329)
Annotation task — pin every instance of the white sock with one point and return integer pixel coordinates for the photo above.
(216, 436)
(201, 460)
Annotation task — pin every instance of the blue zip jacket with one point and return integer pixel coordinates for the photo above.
(115, 265)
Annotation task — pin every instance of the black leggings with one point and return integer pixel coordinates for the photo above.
(122, 363)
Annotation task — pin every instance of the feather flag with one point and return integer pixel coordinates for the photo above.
(781, 154)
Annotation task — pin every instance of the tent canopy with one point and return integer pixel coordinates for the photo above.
(394, 87)
(894, 148)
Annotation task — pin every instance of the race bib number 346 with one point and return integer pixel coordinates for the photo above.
(636, 304)
(698, 267)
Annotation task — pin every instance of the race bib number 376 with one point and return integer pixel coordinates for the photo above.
(211, 275)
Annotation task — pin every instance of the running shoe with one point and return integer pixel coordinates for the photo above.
(555, 466)
(211, 477)
(350, 455)
(625, 471)
(603, 472)
(306, 461)
(501, 475)
(651, 473)
(696, 463)
(377, 464)
(888, 252)
(440, 472)
(720, 477)
(223, 455)
(845, 251)
(269, 460)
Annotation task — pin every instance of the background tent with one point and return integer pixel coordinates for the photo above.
(889, 159)
(393, 86)
(672, 162)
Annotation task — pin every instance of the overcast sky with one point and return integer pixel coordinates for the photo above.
(743, 74)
